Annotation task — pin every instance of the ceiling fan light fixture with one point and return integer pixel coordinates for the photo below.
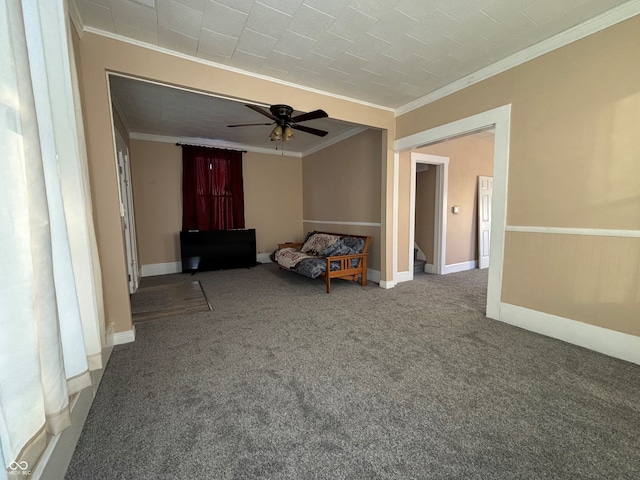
(276, 133)
(287, 134)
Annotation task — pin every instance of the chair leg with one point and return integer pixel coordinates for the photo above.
(328, 280)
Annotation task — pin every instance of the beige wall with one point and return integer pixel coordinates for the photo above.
(593, 279)
(573, 162)
(100, 55)
(272, 198)
(342, 184)
(272, 195)
(156, 173)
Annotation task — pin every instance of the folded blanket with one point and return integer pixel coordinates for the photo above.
(290, 257)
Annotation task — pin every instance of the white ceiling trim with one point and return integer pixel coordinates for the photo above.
(209, 63)
(589, 27)
(207, 142)
(334, 140)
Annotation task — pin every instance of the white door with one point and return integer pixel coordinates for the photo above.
(485, 192)
(126, 212)
(131, 224)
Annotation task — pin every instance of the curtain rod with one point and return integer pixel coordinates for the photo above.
(208, 146)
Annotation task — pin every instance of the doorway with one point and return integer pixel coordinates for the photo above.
(439, 249)
(499, 118)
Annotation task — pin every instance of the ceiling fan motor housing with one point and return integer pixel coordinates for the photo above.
(282, 112)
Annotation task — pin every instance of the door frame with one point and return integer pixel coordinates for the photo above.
(440, 219)
(500, 118)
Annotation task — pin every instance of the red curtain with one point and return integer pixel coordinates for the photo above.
(212, 193)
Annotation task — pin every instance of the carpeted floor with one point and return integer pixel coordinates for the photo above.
(281, 380)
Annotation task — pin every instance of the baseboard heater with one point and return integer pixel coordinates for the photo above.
(217, 249)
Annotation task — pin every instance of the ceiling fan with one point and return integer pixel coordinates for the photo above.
(285, 123)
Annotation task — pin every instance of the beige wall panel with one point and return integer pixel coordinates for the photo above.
(342, 182)
(468, 158)
(574, 154)
(99, 135)
(594, 280)
(156, 171)
(100, 55)
(373, 262)
(272, 198)
(425, 211)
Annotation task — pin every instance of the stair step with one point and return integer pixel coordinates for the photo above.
(418, 266)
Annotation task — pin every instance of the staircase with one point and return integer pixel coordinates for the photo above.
(418, 265)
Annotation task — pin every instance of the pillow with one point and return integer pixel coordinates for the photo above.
(338, 248)
(318, 242)
(357, 244)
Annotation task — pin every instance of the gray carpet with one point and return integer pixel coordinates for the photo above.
(283, 381)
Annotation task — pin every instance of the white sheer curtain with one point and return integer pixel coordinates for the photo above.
(47, 314)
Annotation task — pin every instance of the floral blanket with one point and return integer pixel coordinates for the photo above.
(290, 257)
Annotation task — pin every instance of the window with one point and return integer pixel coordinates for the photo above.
(212, 191)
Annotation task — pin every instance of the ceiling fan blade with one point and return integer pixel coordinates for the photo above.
(312, 131)
(250, 124)
(310, 116)
(263, 112)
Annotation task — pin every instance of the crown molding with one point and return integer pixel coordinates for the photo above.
(156, 48)
(334, 140)
(207, 142)
(589, 27)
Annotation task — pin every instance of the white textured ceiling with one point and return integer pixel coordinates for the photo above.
(153, 109)
(386, 52)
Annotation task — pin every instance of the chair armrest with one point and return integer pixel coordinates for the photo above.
(345, 260)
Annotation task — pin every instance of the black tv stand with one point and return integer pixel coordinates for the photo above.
(217, 249)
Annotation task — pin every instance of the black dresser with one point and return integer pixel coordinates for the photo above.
(218, 249)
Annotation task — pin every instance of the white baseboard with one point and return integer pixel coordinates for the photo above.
(263, 258)
(373, 275)
(154, 269)
(121, 337)
(459, 267)
(386, 285)
(612, 343)
(403, 277)
(429, 268)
